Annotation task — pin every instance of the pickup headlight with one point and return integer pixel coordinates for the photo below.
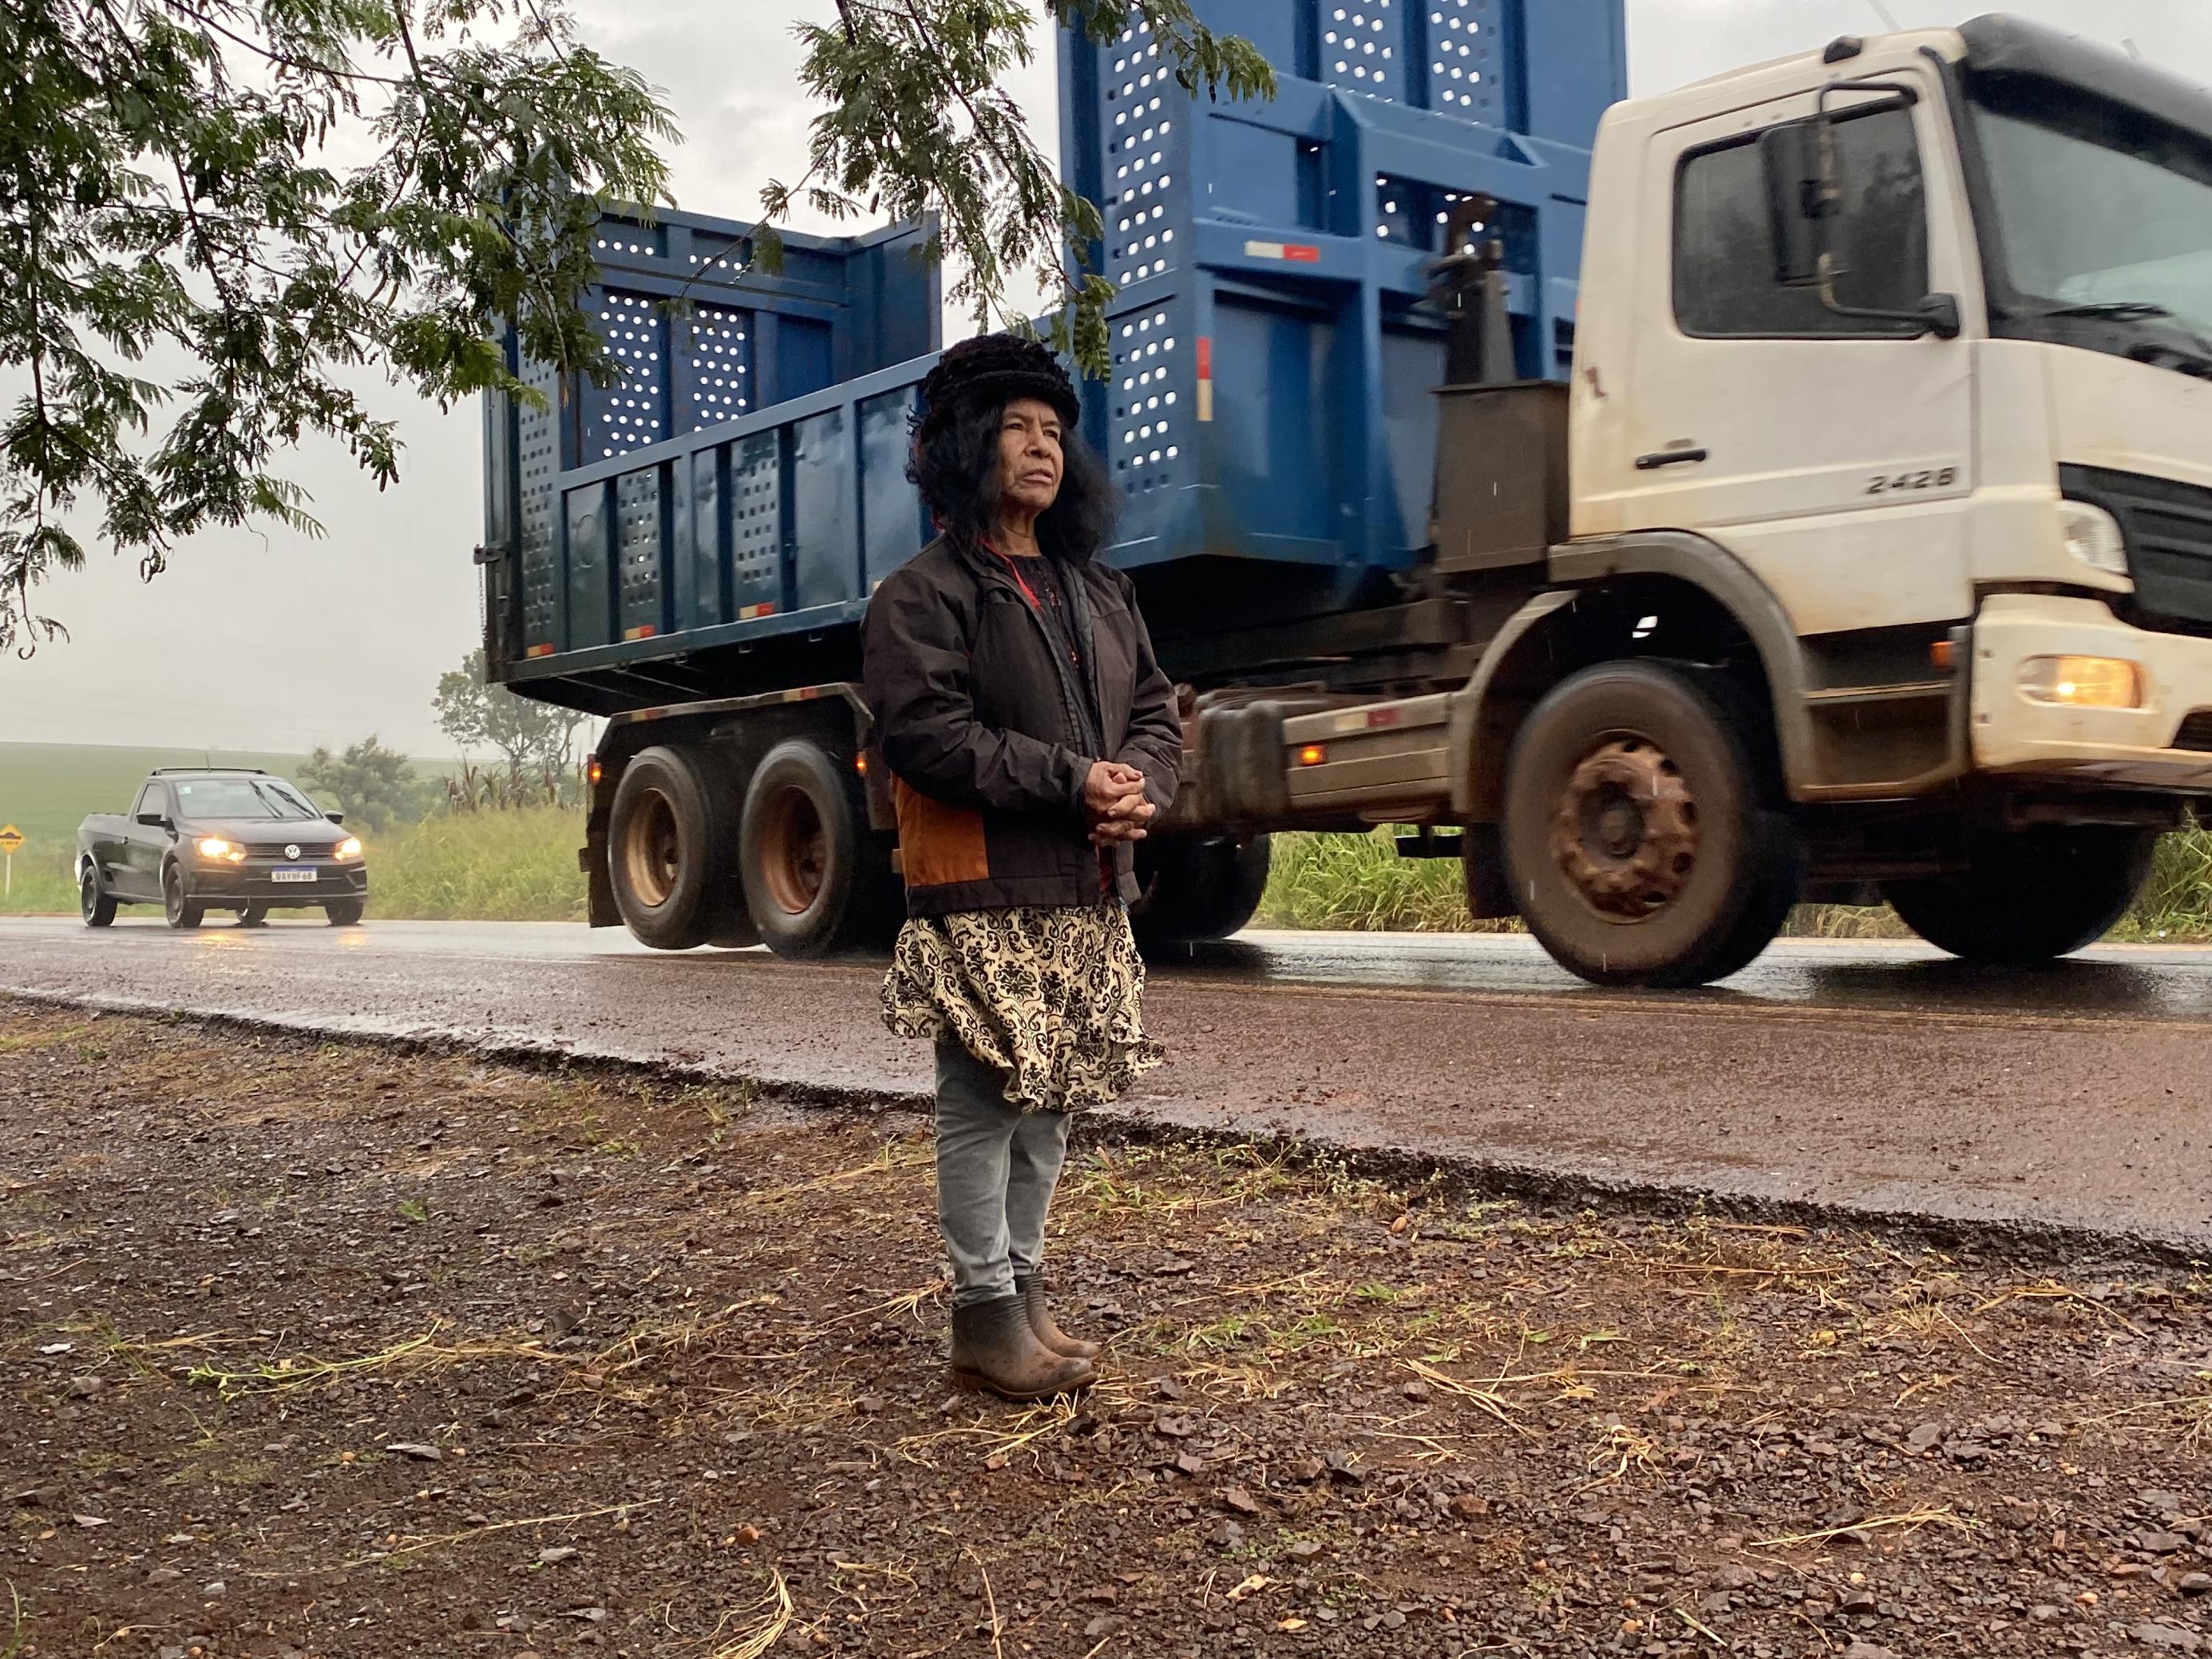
(2094, 536)
(214, 846)
(350, 848)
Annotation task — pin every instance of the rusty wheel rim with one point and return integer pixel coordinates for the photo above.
(652, 854)
(1625, 834)
(794, 852)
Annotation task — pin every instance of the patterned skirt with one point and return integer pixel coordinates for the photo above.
(1053, 997)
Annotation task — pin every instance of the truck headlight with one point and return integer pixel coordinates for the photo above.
(214, 846)
(2082, 682)
(350, 848)
(2094, 536)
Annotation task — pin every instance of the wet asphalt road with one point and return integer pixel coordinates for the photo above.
(1880, 1078)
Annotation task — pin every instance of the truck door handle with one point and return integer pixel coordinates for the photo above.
(1659, 458)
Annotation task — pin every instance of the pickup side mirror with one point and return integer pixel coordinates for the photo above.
(1805, 199)
(155, 821)
(335, 817)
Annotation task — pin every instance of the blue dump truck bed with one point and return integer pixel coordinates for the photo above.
(713, 526)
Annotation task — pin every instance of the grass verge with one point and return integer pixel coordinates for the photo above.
(1359, 883)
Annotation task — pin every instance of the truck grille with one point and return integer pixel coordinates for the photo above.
(2169, 531)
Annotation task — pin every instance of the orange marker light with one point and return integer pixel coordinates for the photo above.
(1313, 754)
(860, 762)
(593, 771)
(1939, 654)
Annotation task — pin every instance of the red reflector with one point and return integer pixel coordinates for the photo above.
(643, 631)
(1302, 253)
(1205, 357)
(540, 650)
(747, 613)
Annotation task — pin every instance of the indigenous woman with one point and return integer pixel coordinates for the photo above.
(1031, 738)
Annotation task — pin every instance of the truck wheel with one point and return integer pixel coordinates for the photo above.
(345, 913)
(1191, 890)
(2030, 895)
(818, 880)
(93, 900)
(181, 913)
(1644, 841)
(668, 846)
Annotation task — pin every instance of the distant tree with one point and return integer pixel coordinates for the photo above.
(370, 784)
(532, 735)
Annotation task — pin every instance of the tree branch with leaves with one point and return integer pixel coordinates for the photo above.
(171, 194)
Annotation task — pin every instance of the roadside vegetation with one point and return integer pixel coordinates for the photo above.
(1359, 883)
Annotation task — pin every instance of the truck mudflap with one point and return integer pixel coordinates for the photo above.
(2063, 688)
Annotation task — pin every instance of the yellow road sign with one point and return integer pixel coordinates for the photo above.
(11, 838)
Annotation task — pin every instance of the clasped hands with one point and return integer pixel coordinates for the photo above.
(1114, 794)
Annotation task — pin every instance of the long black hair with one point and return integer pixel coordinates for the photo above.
(955, 466)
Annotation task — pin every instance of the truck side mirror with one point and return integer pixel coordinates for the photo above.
(335, 817)
(154, 820)
(1798, 204)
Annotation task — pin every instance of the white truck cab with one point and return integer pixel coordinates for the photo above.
(2040, 466)
(1880, 566)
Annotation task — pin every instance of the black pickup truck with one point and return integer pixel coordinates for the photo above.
(220, 838)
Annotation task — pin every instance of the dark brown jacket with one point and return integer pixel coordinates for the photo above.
(990, 738)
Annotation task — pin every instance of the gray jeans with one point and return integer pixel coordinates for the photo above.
(996, 1168)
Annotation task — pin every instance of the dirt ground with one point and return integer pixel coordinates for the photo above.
(323, 1349)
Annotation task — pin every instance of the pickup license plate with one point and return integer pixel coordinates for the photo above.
(291, 875)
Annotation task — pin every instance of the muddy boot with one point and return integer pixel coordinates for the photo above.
(1031, 1289)
(995, 1351)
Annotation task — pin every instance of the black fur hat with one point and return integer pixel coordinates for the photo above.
(996, 368)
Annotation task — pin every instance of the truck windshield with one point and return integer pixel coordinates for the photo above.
(241, 798)
(2104, 221)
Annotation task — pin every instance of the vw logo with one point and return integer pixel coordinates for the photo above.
(292, 851)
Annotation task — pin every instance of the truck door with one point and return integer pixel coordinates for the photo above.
(140, 872)
(1833, 454)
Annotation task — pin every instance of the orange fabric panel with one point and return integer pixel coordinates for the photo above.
(939, 845)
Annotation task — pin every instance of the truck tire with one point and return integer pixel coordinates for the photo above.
(94, 900)
(1644, 839)
(177, 909)
(818, 880)
(1194, 890)
(2031, 895)
(669, 847)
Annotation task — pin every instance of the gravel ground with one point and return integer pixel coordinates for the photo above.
(326, 1349)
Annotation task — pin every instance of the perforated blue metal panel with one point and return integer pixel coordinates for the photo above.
(721, 364)
(756, 522)
(638, 549)
(634, 411)
(537, 447)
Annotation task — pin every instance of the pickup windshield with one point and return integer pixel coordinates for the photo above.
(2104, 221)
(241, 798)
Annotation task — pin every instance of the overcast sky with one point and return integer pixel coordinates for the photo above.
(262, 641)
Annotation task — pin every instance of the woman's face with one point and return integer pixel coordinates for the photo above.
(1029, 456)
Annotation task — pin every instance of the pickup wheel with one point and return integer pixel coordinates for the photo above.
(342, 913)
(1644, 840)
(669, 845)
(1193, 891)
(93, 900)
(176, 906)
(818, 879)
(253, 916)
(2031, 895)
